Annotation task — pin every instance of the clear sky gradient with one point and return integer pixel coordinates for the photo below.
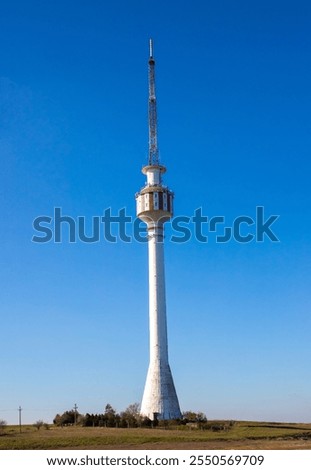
(233, 90)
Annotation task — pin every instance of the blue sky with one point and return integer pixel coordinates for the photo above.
(233, 90)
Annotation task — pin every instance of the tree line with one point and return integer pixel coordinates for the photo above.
(130, 418)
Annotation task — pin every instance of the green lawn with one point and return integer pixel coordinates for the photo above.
(75, 437)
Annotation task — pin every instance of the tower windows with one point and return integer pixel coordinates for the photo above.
(155, 201)
(164, 201)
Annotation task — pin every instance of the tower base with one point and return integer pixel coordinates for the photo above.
(160, 395)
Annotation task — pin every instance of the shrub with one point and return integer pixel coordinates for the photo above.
(2, 425)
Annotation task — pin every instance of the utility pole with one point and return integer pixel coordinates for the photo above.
(75, 409)
(20, 418)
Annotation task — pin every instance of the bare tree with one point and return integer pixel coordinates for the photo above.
(38, 424)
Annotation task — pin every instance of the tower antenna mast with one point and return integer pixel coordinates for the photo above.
(152, 111)
(154, 206)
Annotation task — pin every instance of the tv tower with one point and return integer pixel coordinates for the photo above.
(154, 205)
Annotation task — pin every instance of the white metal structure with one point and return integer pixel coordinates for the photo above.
(154, 204)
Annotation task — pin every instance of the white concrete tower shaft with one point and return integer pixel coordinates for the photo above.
(155, 207)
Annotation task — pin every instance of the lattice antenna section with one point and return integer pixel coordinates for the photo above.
(152, 109)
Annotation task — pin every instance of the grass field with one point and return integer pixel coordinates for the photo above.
(242, 435)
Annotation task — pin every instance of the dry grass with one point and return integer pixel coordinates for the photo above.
(243, 435)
